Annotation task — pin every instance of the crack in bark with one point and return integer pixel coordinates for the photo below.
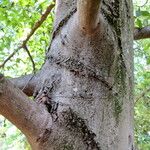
(110, 9)
(79, 69)
(61, 24)
(77, 124)
(44, 137)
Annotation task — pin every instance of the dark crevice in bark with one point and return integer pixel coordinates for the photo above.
(61, 24)
(130, 143)
(127, 6)
(118, 29)
(79, 69)
(113, 14)
(44, 96)
(42, 139)
(77, 124)
(109, 12)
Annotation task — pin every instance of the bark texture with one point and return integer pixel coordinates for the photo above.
(86, 82)
(90, 79)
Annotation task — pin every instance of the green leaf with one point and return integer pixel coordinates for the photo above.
(145, 13)
(139, 23)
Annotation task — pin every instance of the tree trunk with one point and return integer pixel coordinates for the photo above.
(86, 82)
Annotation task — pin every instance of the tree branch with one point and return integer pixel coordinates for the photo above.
(31, 118)
(39, 22)
(35, 27)
(142, 33)
(26, 83)
(30, 56)
(88, 14)
(10, 56)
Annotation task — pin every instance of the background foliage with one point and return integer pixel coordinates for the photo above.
(142, 77)
(17, 19)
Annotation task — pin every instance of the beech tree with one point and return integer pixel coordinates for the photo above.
(83, 93)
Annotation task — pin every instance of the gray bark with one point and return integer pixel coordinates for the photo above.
(86, 82)
(90, 79)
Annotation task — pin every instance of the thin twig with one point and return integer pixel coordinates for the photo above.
(143, 4)
(30, 56)
(39, 22)
(10, 56)
(35, 27)
(142, 95)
